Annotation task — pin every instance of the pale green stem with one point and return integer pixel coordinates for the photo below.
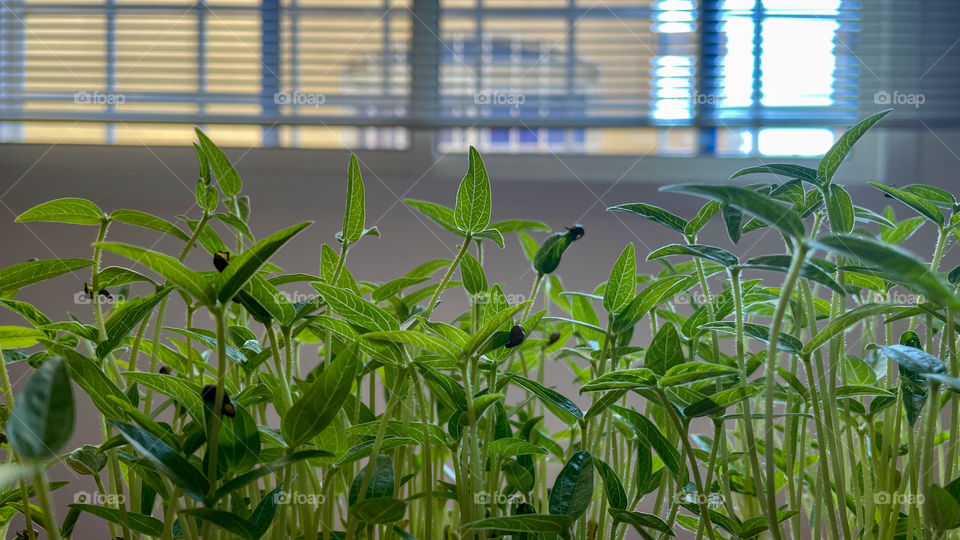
(772, 355)
(446, 277)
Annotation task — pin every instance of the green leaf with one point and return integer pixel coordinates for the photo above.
(490, 234)
(244, 266)
(616, 496)
(91, 378)
(573, 487)
(665, 351)
(559, 405)
(123, 320)
(653, 213)
(472, 276)
(914, 360)
(845, 321)
(479, 338)
(641, 521)
(512, 446)
(167, 461)
(621, 379)
(173, 270)
(785, 342)
(838, 152)
(651, 296)
(227, 178)
(940, 510)
(548, 256)
(239, 440)
(227, 521)
(140, 523)
(732, 219)
(689, 372)
(765, 209)
(379, 510)
(783, 169)
(355, 309)
(939, 197)
(781, 263)
(322, 401)
(757, 525)
(15, 337)
(87, 460)
(233, 353)
(380, 484)
(148, 221)
(43, 418)
(921, 205)
(516, 225)
(275, 465)
(268, 298)
(699, 221)
(903, 264)
(622, 284)
(652, 435)
(528, 523)
(262, 515)
(440, 214)
(353, 216)
(424, 341)
(23, 274)
(472, 211)
(715, 254)
(840, 210)
(66, 210)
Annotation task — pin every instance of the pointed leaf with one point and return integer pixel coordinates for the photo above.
(43, 417)
(766, 210)
(173, 270)
(244, 266)
(622, 284)
(472, 211)
(67, 210)
(353, 216)
(838, 152)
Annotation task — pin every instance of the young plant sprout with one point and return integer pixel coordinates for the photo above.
(811, 392)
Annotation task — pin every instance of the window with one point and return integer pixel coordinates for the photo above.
(628, 77)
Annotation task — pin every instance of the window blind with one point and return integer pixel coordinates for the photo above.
(364, 72)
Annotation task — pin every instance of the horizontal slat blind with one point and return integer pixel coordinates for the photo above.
(355, 72)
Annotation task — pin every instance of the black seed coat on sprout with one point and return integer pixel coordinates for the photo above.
(221, 259)
(209, 394)
(89, 291)
(517, 335)
(575, 232)
(164, 370)
(553, 338)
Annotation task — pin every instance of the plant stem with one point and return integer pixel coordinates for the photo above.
(213, 437)
(793, 273)
(745, 408)
(42, 485)
(446, 277)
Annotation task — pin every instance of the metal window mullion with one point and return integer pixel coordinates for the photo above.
(424, 61)
(705, 96)
(270, 67)
(757, 78)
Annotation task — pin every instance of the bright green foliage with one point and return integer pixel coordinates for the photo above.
(706, 391)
